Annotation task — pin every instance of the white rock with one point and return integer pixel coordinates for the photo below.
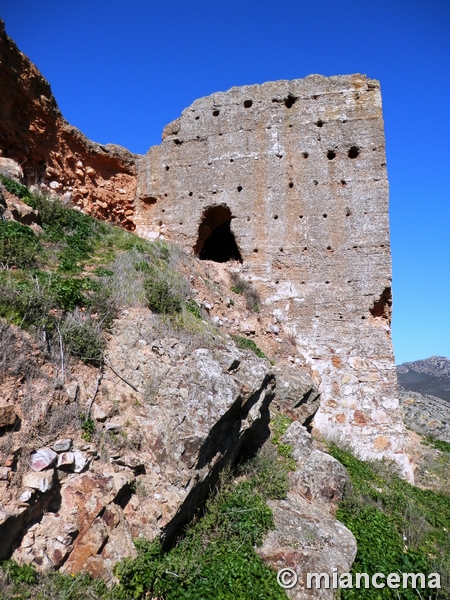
(80, 461)
(26, 496)
(66, 460)
(97, 413)
(72, 389)
(42, 459)
(112, 427)
(42, 481)
(11, 167)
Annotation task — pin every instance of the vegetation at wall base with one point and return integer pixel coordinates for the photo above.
(19, 245)
(429, 440)
(398, 527)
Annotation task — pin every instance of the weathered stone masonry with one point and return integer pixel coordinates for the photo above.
(300, 166)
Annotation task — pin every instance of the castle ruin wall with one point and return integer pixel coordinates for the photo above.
(301, 167)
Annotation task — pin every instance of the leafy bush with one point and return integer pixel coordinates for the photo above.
(24, 583)
(88, 427)
(26, 301)
(16, 188)
(82, 336)
(76, 231)
(435, 443)
(18, 573)
(398, 527)
(19, 246)
(194, 308)
(161, 297)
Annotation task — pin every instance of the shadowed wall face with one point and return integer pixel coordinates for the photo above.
(300, 166)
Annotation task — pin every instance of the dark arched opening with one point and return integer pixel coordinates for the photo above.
(215, 239)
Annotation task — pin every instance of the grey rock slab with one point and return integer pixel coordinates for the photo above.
(301, 441)
(113, 427)
(307, 539)
(296, 394)
(62, 445)
(72, 390)
(321, 478)
(426, 414)
(98, 414)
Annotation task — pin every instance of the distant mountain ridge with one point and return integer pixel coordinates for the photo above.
(429, 376)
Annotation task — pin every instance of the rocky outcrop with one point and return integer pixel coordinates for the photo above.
(306, 538)
(172, 411)
(11, 207)
(425, 396)
(428, 415)
(98, 178)
(295, 397)
(437, 366)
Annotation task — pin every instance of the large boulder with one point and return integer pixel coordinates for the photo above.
(321, 478)
(11, 168)
(296, 394)
(307, 539)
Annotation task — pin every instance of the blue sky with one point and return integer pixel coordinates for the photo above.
(120, 71)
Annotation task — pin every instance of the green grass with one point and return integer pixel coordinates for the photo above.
(215, 559)
(19, 245)
(429, 440)
(398, 527)
(70, 282)
(24, 583)
(247, 344)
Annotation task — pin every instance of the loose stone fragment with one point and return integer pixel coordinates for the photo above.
(39, 481)
(43, 459)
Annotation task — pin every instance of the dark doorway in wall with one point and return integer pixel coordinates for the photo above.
(215, 239)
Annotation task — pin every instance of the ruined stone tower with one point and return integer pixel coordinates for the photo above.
(289, 178)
